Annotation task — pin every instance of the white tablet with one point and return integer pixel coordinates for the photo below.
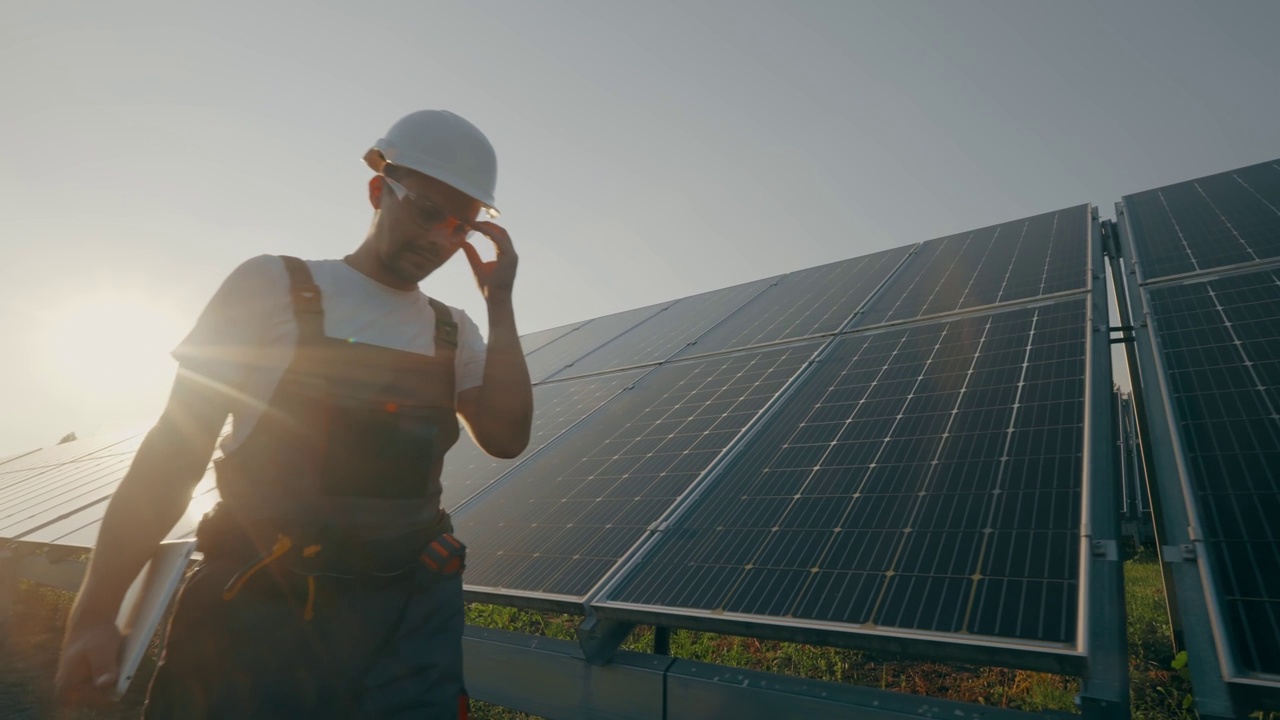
(144, 605)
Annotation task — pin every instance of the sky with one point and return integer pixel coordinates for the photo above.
(647, 151)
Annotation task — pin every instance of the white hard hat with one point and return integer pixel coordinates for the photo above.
(444, 146)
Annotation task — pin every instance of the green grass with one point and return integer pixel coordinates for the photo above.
(1158, 689)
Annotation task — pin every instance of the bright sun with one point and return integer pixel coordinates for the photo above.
(110, 346)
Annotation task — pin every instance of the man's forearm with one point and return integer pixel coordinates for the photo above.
(150, 500)
(506, 395)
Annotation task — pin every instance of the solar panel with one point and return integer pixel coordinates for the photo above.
(921, 478)
(80, 527)
(1215, 221)
(559, 522)
(58, 454)
(670, 330)
(803, 303)
(534, 340)
(556, 407)
(48, 494)
(558, 353)
(1017, 260)
(14, 456)
(1220, 343)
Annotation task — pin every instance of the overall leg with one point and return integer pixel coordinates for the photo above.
(419, 675)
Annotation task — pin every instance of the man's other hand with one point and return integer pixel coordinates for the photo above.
(89, 665)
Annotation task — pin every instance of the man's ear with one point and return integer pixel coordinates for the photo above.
(376, 185)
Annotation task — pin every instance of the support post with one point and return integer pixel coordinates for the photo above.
(600, 639)
(662, 641)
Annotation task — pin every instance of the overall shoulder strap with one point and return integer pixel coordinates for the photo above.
(446, 328)
(307, 308)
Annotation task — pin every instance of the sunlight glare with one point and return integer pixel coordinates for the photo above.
(112, 346)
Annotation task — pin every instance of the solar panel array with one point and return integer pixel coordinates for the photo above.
(1208, 257)
(925, 474)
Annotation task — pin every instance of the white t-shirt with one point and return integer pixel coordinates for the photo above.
(245, 338)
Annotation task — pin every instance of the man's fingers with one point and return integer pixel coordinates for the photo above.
(473, 256)
(89, 667)
(498, 234)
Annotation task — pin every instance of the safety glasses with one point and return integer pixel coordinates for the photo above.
(428, 214)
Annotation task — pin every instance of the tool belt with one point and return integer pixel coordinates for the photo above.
(325, 549)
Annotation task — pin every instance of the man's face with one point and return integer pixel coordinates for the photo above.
(418, 226)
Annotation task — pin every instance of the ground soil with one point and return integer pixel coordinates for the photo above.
(29, 645)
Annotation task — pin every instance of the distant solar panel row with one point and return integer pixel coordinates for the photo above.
(926, 477)
(1215, 221)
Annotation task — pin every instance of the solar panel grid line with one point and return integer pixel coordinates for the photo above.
(1189, 528)
(34, 484)
(16, 456)
(535, 340)
(1035, 256)
(1182, 238)
(1193, 277)
(946, 243)
(752, 561)
(618, 478)
(630, 377)
(59, 518)
(56, 455)
(559, 353)
(801, 490)
(914, 511)
(1236, 502)
(1029, 302)
(875, 294)
(82, 532)
(86, 483)
(709, 477)
(651, 340)
(611, 598)
(1044, 272)
(1196, 226)
(1181, 335)
(792, 308)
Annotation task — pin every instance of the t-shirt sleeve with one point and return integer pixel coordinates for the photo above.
(469, 359)
(227, 339)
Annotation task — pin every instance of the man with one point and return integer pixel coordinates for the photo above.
(330, 585)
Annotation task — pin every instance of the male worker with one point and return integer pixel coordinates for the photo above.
(330, 585)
